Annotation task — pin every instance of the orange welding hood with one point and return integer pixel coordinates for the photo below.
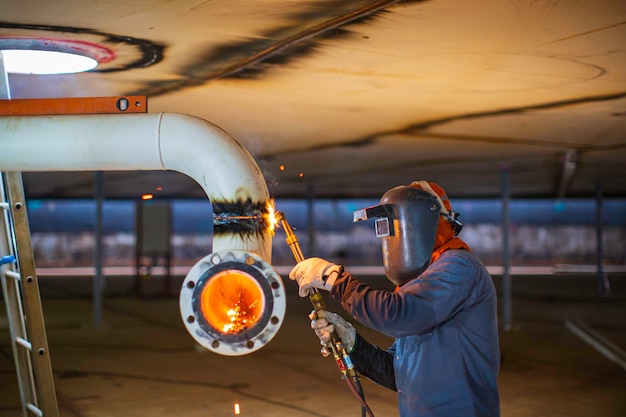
(446, 233)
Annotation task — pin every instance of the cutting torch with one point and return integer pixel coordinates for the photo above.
(335, 345)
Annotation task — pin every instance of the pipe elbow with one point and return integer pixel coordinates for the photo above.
(205, 152)
(228, 174)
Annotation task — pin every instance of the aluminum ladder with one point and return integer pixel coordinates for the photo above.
(23, 303)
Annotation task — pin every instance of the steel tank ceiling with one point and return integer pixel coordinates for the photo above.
(351, 98)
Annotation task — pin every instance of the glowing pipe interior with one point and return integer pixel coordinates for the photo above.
(232, 301)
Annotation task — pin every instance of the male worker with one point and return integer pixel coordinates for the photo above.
(445, 357)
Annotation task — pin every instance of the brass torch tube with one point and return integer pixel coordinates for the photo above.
(336, 345)
(292, 239)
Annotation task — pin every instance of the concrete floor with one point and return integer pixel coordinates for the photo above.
(142, 362)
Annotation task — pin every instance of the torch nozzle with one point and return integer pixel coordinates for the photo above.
(292, 239)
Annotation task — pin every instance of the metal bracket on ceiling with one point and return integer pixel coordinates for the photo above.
(570, 161)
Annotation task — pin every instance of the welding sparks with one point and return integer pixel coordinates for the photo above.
(272, 221)
(238, 316)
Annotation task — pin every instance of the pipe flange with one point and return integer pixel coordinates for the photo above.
(232, 302)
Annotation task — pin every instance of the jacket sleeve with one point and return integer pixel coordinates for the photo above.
(416, 307)
(374, 363)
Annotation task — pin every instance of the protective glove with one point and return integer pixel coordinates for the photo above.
(325, 322)
(315, 273)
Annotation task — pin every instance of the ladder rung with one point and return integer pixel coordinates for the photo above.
(33, 409)
(4, 206)
(23, 342)
(12, 274)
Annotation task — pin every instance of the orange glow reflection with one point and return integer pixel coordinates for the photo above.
(271, 216)
(232, 301)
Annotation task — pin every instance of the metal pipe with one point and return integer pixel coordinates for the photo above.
(120, 142)
(594, 339)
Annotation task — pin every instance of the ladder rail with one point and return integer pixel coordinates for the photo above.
(15, 312)
(24, 300)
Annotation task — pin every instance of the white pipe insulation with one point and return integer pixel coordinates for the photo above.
(126, 142)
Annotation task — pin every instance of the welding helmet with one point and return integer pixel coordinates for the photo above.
(406, 221)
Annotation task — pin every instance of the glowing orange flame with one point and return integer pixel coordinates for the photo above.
(271, 216)
(237, 409)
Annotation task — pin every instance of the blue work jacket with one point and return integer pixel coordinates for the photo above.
(445, 359)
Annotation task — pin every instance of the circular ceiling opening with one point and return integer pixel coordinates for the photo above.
(47, 56)
(21, 61)
(111, 52)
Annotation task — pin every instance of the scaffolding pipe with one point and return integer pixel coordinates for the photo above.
(600, 343)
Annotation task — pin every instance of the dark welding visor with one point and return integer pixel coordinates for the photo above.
(382, 214)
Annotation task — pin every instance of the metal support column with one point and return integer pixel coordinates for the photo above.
(507, 309)
(98, 279)
(604, 286)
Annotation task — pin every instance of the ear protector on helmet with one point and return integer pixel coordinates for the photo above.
(450, 215)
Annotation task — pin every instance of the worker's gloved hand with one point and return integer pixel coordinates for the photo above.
(325, 322)
(315, 273)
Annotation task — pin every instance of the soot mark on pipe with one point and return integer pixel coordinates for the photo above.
(240, 217)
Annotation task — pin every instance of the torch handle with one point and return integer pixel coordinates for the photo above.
(344, 362)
